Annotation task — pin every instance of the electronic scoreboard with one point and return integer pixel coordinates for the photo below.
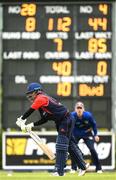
(67, 47)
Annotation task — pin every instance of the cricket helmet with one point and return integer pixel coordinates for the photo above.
(34, 87)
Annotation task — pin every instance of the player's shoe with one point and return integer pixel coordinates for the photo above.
(56, 174)
(87, 166)
(72, 171)
(99, 171)
(82, 172)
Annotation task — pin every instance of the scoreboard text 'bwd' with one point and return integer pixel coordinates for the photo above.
(66, 48)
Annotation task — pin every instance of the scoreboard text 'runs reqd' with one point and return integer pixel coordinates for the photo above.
(65, 47)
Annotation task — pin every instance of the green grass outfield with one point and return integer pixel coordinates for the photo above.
(47, 176)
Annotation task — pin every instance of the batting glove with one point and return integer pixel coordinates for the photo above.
(29, 127)
(20, 122)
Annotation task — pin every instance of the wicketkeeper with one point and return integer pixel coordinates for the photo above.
(50, 109)
(85, 128)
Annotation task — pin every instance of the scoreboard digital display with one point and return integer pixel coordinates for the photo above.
(65, 47)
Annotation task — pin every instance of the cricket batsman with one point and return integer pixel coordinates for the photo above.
(51, 109)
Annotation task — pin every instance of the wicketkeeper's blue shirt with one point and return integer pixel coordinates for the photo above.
(84, 126)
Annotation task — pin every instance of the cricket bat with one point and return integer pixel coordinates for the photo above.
(42, 145)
